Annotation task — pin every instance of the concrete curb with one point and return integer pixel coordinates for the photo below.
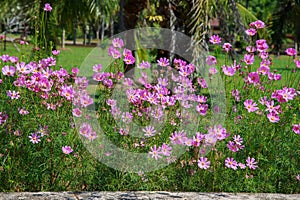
(144, 195)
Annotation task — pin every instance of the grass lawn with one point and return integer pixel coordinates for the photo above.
(71, 56)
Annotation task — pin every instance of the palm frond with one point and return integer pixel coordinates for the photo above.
(246, 15)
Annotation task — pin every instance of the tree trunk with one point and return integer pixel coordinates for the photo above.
(63, 38)
(74, 33)
(172, 27)
(89, 36)
(102, 27)
(121, 16)
(84, 38)
(112, 24)
(98, 32)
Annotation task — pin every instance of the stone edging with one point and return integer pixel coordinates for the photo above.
(144, 195)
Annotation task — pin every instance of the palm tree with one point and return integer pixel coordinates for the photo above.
(103, 13)
(285, 20)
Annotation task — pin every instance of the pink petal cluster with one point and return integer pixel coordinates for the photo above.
(215, 39)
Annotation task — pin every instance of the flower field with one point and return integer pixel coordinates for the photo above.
(167, 113)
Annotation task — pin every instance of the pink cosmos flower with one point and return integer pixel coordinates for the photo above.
(238, 139)
(252, 25)
(263, 55)
(97, 68)
(273, 117)
(251, 163)
(144, 65)
(263, 100)
(200, 99)
(67, 149)
(298, 177)
(296, 128)
(231, 163)
(202, 82)
(152, 98)
(81, 83)
(297, 62)
(55, 52)
(118, 76)
(114, 52)
(8, 70)
(261, 45)
(22, 111)
(163, 82)
(228, 71)
(129, 59)
(253, 77)
(250, 105)
(251, 32)
(111, 102)
(249, 59)
(203, 163)
(67, 92)
(85, 100)
(211, 60)
(259, 24)
(166, 149)
(127, 117)
(127, 52)
(250, 49)
(218, 131)
(227, 47)
(202, 109)
(188, 142)
(13, 94)
(155, 152)
(178, 63)
(123, 131)
(210, 139)
(271, 108)
(149, 131)
(185, 71)
(47, 7)
(34, 138)
(271, 76)
(76, 112)
(157, 113)
(285, 94)
(178, 137)
(99, 76)
(117, 43)
(212, 71)
(5, 58)
(87, 131)
(197, 139)
(263, 70)
(3, 117)
(242, 165)
(163, 62)
(236, 94)
(215, 39)
(236, 144)
(291, 52)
